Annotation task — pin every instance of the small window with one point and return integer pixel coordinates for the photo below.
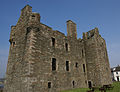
(67, 65)
(28, 30)
(116, 72)
(66, 46)
(53, 42)
(53, 64)
(76, 65)
(49, 84)
(73, 83)
(33, 15)
(82, 53)
(13, 44)
(83, 67)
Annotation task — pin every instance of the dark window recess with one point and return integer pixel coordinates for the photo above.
(92, 35)
(76, 65)
(73, 83)
(13, 44)
(49, 84)
(116, 72)
(83, 67)
(66, 46)
(53, 42)
(28, 30)
(82, 52)
(38, 29)
(67, 65)
(89, 84)
(53, 64)
(33, 15)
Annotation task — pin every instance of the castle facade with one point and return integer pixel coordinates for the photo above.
(45, 60)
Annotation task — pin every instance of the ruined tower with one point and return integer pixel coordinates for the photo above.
(98, 68)
(45, 60)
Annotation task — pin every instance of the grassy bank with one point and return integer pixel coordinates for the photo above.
(115, 89)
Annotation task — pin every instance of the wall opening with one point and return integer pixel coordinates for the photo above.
(33, 15)
(67, 65)
(116, 72)
(53, 64)
(28, 30)
(49, 84)
(66, 46)
(82, 53)
(89, 84)
(76, 65)
(53, 42)
(84, 68)
(73, 83)
(118, 78)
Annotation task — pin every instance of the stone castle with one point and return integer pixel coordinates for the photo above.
(45, 60)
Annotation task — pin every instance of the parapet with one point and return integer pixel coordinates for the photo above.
(90, 33)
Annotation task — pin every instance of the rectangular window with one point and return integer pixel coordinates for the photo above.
(53, 42)
(67, 65)
(83, 67)
(66, 46)
(49, 84)
(76, 65)
(82, 53)
(53, 64)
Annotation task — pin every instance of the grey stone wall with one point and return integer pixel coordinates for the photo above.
(98, 68)
(33, 46)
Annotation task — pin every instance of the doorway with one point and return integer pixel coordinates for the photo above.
(89, 84)
(118, 78)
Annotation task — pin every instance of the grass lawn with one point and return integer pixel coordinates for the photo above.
(115, 89)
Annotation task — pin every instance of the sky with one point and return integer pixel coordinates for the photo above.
(87, 14)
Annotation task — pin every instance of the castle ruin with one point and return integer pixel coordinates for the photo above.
(45, 60)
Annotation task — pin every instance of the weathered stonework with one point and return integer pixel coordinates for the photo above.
(45, 60)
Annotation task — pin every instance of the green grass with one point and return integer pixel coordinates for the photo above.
(115, 89)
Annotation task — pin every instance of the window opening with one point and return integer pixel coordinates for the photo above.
(53, 42)
(83, 67)
(67, 65)
(76, 65)
(28, 30)
(49, 84)
(53, 64)
(82, 53)
(73, 83)
(66, 46)
(33, 15)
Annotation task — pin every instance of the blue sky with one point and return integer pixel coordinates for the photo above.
(87, 14)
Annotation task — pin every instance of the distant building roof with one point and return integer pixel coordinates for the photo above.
(115, 69)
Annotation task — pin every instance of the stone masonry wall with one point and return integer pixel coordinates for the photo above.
(33, 48)
(98, 68)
